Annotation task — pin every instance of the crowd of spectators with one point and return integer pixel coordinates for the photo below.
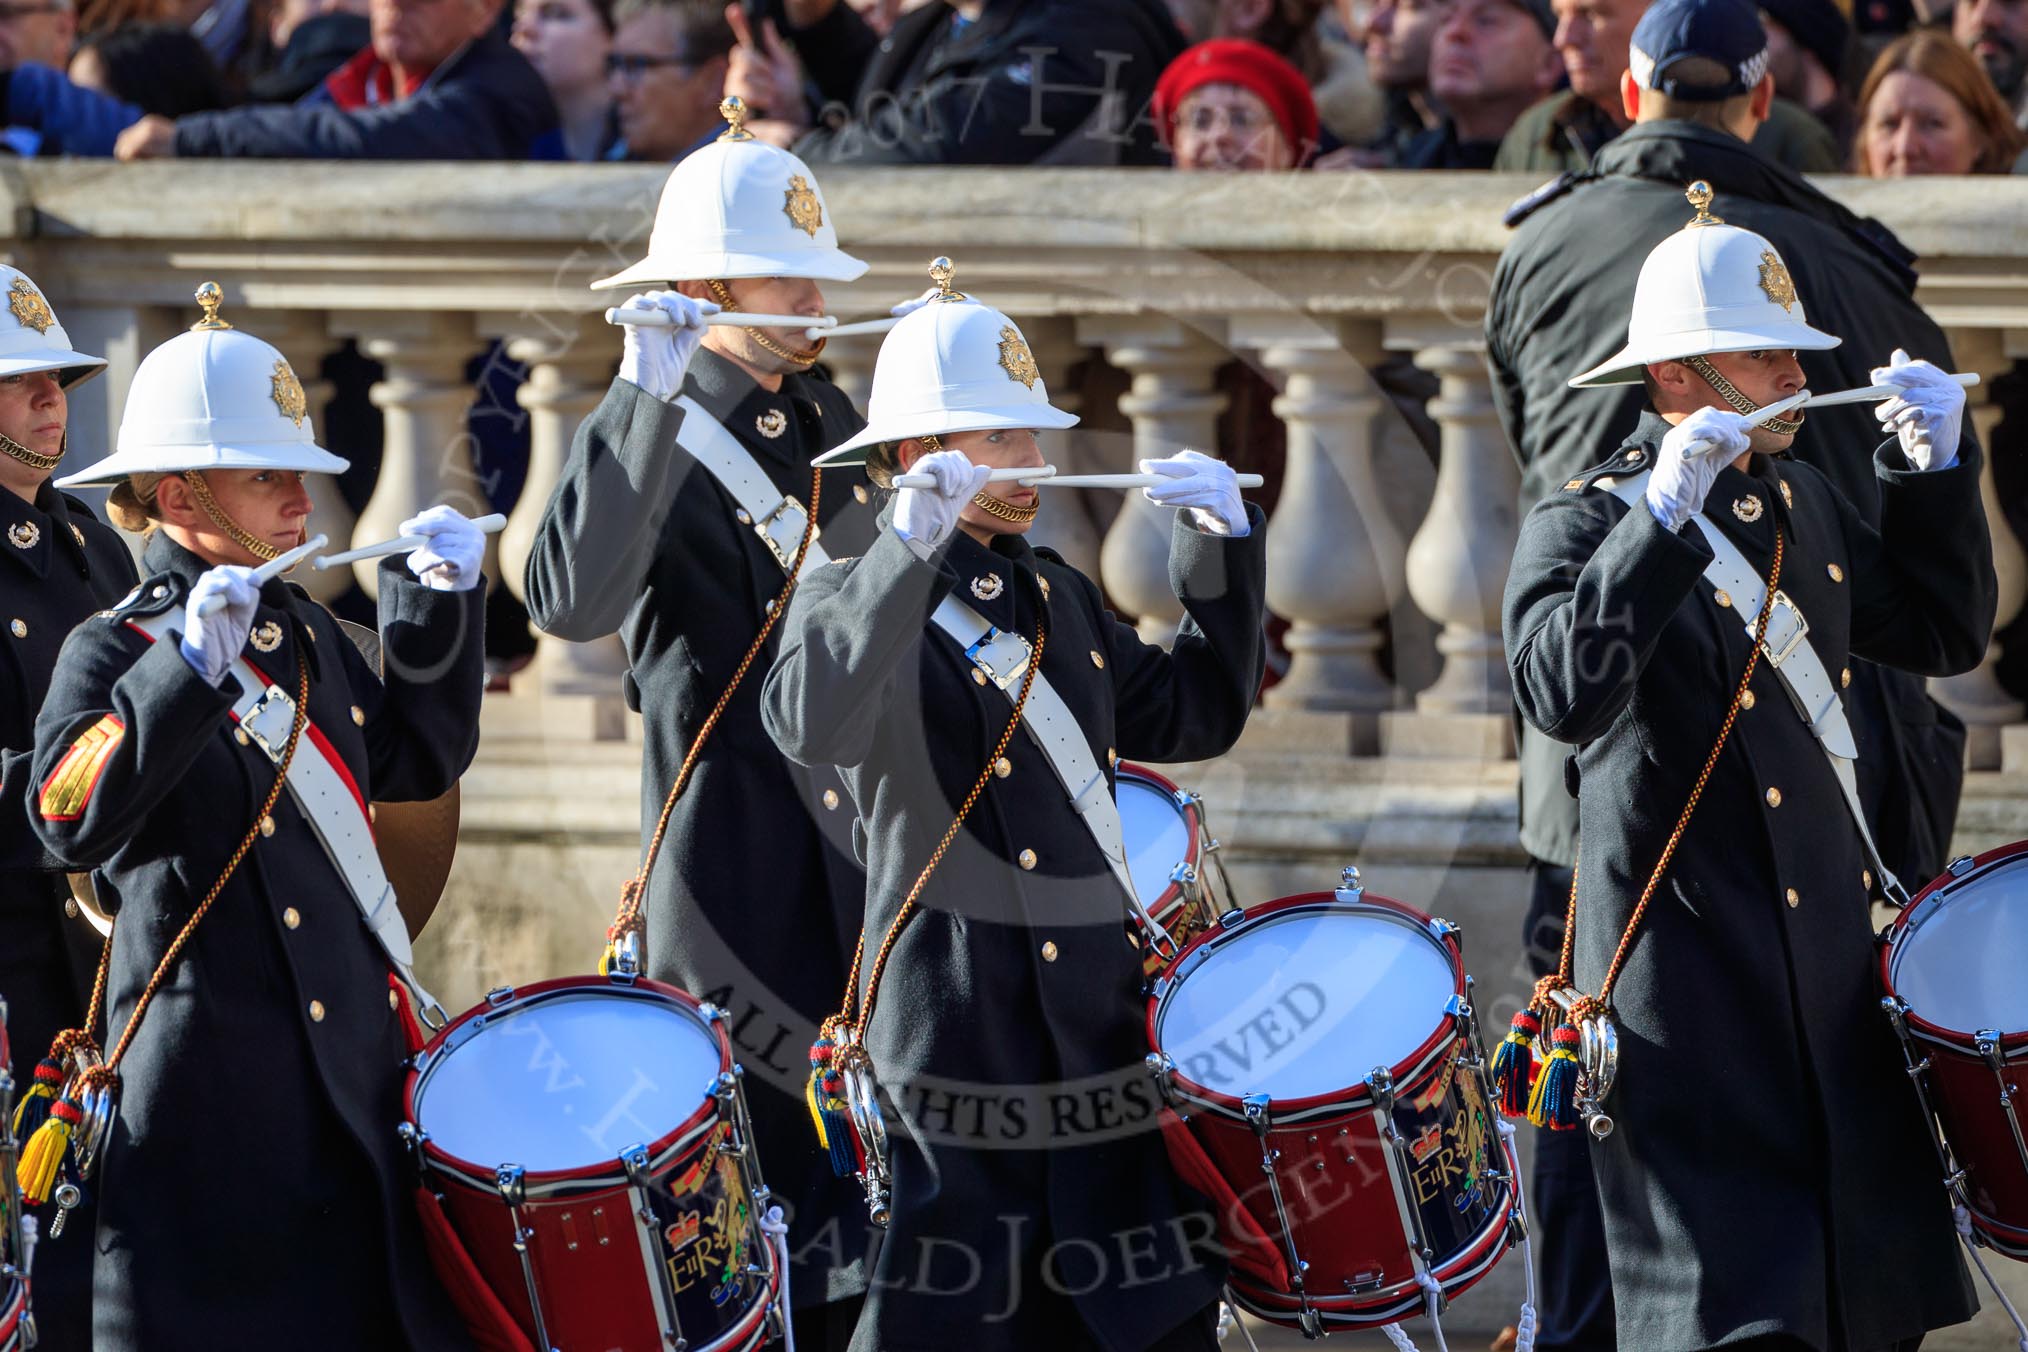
(1879, 87)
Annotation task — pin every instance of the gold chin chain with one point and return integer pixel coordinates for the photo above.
(33, 459)
(985, 502)
(721, 293)
(252, 544)
(1729, 392)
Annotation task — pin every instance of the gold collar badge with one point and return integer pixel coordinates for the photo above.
(988, 587)
(805, 212)
(1787, 496)
(1775, 280)
(267, 638)
(1016, 359)
(24, 535)
(772, 423)
(1747, 509)
(29, 307)
(288, 394)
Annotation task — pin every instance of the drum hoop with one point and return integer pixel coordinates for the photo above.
(462, 1029)
(1407, 1072)
(1923, 905)
(1171, 899)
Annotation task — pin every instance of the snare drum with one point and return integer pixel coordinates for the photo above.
(1325, 1061)
(1953, 966)
(14, 1321)
(1169, 853)
(587, 1141)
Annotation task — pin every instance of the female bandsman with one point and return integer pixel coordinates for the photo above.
(252, 1192)
(998, 998)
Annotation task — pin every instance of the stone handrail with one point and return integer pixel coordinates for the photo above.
(1314, 278)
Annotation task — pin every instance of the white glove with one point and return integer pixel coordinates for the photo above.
(210, 642)
(929, 515)
(656, 358)
(1688, 461)
(1927, 415)
(909, 307)
(1207, 487)
(456, 548)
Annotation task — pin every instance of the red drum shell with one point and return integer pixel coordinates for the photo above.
(1349, 1216)
(1963, 1088)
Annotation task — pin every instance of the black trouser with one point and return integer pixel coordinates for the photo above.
(1782, 1342)
(827, 1327)
(1575, 1310)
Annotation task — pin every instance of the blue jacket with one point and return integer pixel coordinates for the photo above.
(73, 120)
(484, 103)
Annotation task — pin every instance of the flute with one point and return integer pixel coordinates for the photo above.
(400, 544)
(1047, 477)
(270, 570)
(728, 319)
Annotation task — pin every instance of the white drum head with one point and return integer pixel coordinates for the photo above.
(568, 1081)
(1307, 1002)
(1962, 965)
(1158, 835)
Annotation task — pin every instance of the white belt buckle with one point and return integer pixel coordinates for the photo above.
(1001, 655)
(782, 530)
(267, 724)
(1787, 627)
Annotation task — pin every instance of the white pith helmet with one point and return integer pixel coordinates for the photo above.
(739, 208)
(1710, 287)
(34, 341)
(954, 365)
(212, 398)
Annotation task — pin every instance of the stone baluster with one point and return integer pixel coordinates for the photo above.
(1174, 407)
(301, 339)
(1977, 696)
(1457, 562)
(1335, 554)
(1071, 520)
(570, 367)
(426, 456)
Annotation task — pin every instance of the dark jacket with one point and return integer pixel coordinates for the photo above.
(1008, 1032)
(1771, 1172)
(1438, 147)
(1562, 293)
(253, 1181)
(61, 564)
(1562, 133)
(483, 103)
(1029, 82)
(755, 899)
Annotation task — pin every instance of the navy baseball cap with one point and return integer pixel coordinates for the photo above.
(1726, 33)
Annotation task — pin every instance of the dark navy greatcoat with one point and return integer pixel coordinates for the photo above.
(755, 898)
(1771, 1173)
(1034, 1204)
(58, 564)
(253, 1192)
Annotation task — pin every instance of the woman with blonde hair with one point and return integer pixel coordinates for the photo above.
(1927, 107)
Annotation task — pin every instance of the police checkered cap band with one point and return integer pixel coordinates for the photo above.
(1642, 67)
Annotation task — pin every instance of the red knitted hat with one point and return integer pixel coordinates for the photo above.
(1251, 66)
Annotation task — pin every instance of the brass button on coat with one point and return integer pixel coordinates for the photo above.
(393, 1000)
(316, 1011)
(1837, 573)
(1049, 950)
(978, 676)
(1866, 878)
(859, 492)
(1098, 659)
(1026, 859)
(1774, 797)
(358, 717)
(1844, 678)
(239, 735)
(19, 628)
(831, 799)
(291, 917)
(1746, 700)
(267, 826)
(1722, 596)
(1003, 767)
(1793, 897)
(70, 907)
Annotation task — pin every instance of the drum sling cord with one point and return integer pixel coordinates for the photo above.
(73, 1059)
(841, 1039)
(629, 922)
(1547, 1095)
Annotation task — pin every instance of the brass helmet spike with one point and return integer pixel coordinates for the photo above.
(210, 297)
(1699, 195)
(733, 109)
(941, 270)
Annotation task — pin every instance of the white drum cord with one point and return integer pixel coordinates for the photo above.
(777, 1230)
(1963, 1217)
(1524, 1336)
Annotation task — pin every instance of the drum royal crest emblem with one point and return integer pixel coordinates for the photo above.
(28, 306)
(1016, 359)
(1775, 280)
(802, 206)
(288, 394)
